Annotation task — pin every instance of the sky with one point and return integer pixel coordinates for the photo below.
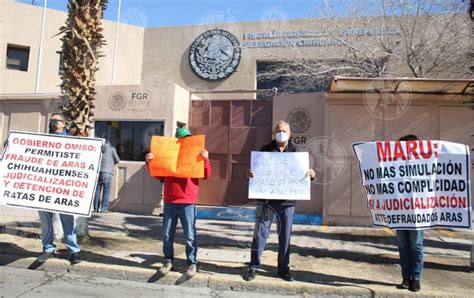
(160, 13)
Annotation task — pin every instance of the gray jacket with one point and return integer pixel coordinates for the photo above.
(109, 158)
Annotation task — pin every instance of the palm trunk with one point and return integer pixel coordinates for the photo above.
(82, 226)
(82, 39)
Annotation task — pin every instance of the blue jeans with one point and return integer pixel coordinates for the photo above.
(47, 232)
(187, 216)
(410, 248)
(103, 183)
(264, 218)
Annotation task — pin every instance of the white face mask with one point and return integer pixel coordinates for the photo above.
(282, 137)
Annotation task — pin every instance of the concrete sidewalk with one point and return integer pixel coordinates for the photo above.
(325, 260)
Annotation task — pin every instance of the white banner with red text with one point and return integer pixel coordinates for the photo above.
(416, 184)
(50, 172)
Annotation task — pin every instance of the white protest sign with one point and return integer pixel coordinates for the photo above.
(50, 172)
(416, 184)
(280, 176)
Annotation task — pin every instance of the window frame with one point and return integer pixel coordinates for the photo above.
(19, 48)
(93, 130)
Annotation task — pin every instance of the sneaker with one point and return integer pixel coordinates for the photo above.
(166, 268)
(405, 284)
(250, 274)
(45, 256)
(192, 269)
(285, 275)
(75, 258)
(415, 285)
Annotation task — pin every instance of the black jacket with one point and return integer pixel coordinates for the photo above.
(273, 147)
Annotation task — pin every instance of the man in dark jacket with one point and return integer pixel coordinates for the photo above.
(266, 210)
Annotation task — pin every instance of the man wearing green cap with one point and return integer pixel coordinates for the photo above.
(182, 132)
(180, 196)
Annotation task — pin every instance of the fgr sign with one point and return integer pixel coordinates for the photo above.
(300, 122)
(133, 101)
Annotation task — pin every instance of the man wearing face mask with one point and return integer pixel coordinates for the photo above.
(57, 125)
(266, 210)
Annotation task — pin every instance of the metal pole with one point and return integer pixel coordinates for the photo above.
(472, 256)
(40, 52)
(116, 41)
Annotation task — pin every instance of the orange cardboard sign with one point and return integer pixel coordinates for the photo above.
(177, 157)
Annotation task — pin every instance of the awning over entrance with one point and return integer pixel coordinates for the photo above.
(401, 85)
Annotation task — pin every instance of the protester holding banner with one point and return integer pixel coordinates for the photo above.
(412, 185)
(57, 125)
(181, 196)
(410, 249)
(266, 210)
(104, 184)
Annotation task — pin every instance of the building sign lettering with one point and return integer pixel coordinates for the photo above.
(305, 38)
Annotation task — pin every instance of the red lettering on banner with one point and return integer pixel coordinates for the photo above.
(429, 149)
(404, 150)
(384, 152)
(398, 152)
(411, 149)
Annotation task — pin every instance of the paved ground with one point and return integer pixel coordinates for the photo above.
(17, 282)
(325, 260)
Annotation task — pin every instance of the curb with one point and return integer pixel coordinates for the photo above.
(220, 282)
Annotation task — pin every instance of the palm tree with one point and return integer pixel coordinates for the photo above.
(82, 39)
